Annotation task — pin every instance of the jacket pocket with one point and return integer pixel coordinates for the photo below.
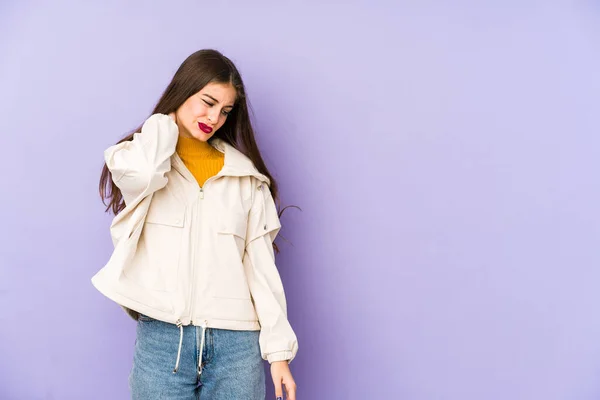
(230, 279)
(156, 262)
(235, 225)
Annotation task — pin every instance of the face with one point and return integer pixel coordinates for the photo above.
(201, 115)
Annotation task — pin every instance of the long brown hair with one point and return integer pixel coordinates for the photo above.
(198, 70)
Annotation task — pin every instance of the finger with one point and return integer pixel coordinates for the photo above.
(278, 390)
(290, 390)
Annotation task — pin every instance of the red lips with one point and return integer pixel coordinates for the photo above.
(204, 128)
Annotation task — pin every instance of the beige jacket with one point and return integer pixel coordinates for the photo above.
(186, 254)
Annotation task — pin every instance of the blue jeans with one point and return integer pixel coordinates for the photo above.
(230, 368)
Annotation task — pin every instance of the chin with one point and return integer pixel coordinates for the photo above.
(201, 136)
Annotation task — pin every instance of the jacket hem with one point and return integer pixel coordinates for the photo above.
(233, 325)
(131, 304)
(161, 315)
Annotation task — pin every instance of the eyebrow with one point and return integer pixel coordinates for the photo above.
(215, 100)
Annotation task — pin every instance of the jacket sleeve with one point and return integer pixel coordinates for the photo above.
(138, 167)
(277, 339)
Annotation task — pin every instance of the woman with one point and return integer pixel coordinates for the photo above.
(195, 220)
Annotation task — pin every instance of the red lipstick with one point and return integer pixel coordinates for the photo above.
(204, 128)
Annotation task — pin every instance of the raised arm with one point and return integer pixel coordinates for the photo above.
(138, 167)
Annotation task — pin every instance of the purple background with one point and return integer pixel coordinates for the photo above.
(445, 157)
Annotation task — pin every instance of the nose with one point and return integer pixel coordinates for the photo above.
(213, 116)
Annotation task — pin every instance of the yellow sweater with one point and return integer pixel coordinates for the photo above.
(200, 158)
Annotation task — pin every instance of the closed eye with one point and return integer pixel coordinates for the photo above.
(225, 113)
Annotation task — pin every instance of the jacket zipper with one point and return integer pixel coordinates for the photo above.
(194, 245)
(193, 290)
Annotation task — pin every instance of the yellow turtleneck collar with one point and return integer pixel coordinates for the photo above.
(202, 159)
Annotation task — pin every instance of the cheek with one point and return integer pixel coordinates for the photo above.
(193, 110)
(198, 111)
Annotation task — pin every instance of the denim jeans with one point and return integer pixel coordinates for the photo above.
(231, 365)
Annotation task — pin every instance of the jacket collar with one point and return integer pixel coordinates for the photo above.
(236, 163)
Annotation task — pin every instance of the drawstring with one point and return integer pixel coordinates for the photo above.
(180, 326)
(201, 348)
(264, 207)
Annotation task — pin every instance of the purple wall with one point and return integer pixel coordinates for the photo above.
(446, 159)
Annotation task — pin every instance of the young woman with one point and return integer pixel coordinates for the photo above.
(195, 220)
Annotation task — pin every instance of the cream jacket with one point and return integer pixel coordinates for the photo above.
(186, 254)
